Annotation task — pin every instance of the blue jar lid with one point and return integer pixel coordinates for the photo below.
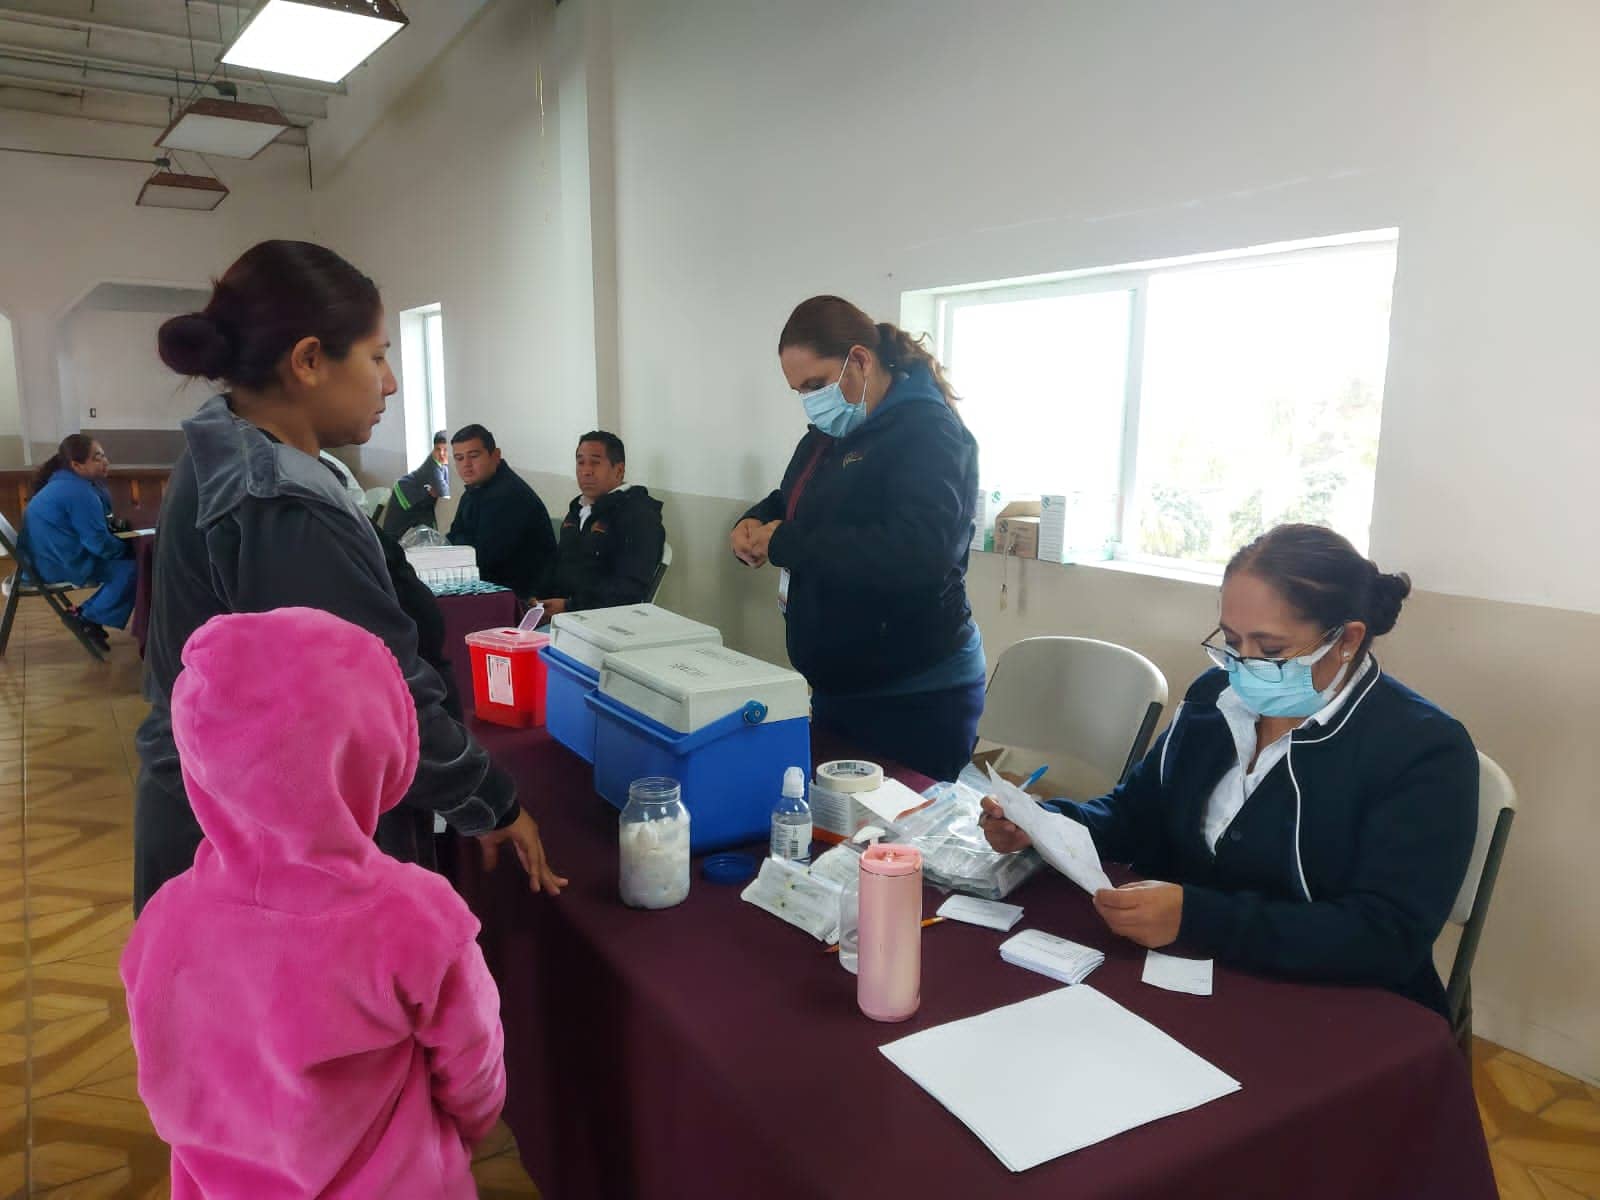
(730, 868)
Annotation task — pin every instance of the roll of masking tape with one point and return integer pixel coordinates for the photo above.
(849, 776)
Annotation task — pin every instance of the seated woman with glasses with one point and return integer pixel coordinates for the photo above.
(1304, 815)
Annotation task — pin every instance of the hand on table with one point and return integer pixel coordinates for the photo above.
(1004, 836)
(743, 542)
(1149, 912)
(523, 835)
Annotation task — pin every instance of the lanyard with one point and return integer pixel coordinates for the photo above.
(801, 483)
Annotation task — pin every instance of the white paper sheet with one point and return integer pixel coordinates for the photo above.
(991, 914)
(1191, 975)
(1060, 841)
(1056, 1073)
(888, 800)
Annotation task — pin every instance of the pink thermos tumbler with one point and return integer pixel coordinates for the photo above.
(889, 981)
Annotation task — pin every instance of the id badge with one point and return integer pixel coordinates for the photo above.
(783, 590)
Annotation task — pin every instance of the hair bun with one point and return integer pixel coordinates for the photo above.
(1389, 592)
(195, 345)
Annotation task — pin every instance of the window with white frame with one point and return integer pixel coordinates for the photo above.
(422, 373)
(1192, 403)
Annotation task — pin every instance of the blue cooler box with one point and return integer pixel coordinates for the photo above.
(567, 715)
(721, 723)
(579, 644)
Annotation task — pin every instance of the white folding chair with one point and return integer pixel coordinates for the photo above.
(1087, 708)
(1497, 805)
(661, 572)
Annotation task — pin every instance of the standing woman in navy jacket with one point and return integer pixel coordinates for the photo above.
(871, 529)
(1307, 815)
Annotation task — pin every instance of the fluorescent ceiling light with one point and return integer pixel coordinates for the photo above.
(165, 189)
(314, 39)
(224, 127)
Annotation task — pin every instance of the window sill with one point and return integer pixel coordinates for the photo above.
(1202, 575)
(1180, 574)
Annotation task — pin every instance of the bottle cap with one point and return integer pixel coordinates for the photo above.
(794, 783)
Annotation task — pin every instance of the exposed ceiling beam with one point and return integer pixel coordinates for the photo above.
(132, 17)
(311, 101)
(20, 95)
(122, 81)
(22, 26)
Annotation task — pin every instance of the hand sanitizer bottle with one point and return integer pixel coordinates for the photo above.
(791, 820)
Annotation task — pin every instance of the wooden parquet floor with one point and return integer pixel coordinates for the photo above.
(71, 1123)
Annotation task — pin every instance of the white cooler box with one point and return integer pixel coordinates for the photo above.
(723, 724)
(580, 642)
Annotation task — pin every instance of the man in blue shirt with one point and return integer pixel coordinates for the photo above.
(67, 536)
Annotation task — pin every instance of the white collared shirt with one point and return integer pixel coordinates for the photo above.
(585, 509)
(1234, 788)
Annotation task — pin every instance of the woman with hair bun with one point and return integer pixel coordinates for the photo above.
(1305, 814)
(253, 521)
(871, 527)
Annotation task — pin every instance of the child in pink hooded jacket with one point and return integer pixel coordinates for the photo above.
(312, 1018)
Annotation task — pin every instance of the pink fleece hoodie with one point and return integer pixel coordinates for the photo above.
(311, 1017)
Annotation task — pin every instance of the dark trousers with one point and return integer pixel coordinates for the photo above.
(930, 732)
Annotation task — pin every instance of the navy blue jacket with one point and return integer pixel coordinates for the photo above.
(877, 545)
(1343, 864)
(508, 525)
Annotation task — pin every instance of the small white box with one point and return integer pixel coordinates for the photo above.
(687, 687)
(590, 635)
(1077, 527)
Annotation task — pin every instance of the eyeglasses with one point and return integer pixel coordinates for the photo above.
(1268, 669)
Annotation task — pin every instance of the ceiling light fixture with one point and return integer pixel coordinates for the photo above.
(168, 189)
(314, 39)
(224, 127)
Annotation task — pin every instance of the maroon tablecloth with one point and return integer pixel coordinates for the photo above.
(711, 1051)
(144, 550)
(469, 614)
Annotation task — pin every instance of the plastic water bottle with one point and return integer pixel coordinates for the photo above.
(850, 922)
(791, 820)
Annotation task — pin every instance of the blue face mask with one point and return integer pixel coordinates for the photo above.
(829, 411)
(1292, 695)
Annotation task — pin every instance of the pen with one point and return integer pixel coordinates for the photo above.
(1035, 777)
(925, 924)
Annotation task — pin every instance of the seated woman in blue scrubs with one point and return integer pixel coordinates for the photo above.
(66, 531)
(1305, 815)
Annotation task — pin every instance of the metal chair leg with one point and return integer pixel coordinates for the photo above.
(10, 613)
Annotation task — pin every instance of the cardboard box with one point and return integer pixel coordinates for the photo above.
(1016, 529)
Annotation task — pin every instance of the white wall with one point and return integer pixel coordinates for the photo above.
(462, 195)
(629, 252)
(767, 152)
(109, 367)
(68, 224)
